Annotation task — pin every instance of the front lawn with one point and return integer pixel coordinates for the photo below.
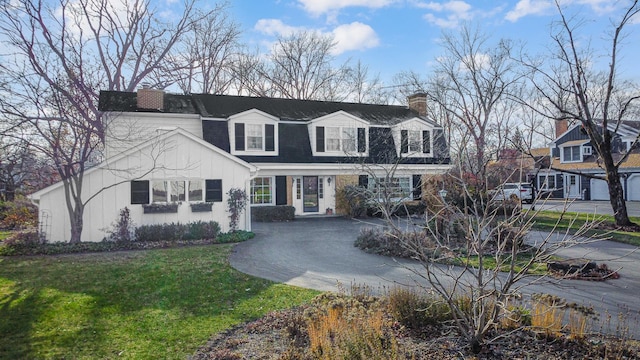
(138, 304)
(546, 220)
(4, 234)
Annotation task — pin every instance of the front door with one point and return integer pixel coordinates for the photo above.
(310, 193)
(572, 186)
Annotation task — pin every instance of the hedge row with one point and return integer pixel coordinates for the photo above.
(273, 213)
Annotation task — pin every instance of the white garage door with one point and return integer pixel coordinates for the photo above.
(599, 190)
(633, 187)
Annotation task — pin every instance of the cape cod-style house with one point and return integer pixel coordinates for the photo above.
(173, 158)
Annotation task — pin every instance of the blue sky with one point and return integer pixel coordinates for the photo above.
(398, 35)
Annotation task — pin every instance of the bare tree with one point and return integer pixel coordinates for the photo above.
(60, 55)
(573, 90)
(365, 88)
(471, 84)
(298, 67)
(206, 64)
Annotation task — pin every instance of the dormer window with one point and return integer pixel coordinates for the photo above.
(415, 142)
(254, 137)
(571, 154)
(347, 140)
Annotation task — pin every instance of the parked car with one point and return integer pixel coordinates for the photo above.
(515, 191)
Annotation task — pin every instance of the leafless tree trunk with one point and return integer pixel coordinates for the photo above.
(60, 55)
(599, 101)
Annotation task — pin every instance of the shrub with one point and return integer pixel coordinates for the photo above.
(19, 214)
(380, 242)
(341, 327)
(273, 213)
(236, 236)
(176, 231)
(21, 242)
(123, 228)
(353, 200)
(236, 202)
(415, 311)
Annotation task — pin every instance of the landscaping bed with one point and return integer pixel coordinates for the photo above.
(285, 335)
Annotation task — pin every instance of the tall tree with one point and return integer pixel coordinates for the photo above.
(206, 63)
(472, 84)
(61, 53)
(299, 66)
(600, 101)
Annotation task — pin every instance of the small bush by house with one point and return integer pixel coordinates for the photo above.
(273, 213)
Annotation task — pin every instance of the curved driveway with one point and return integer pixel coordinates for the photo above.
(318, 253)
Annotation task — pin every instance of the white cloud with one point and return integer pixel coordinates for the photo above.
(453, 11)
(319, 7)
(348, 37)
(276, 27)
(528, 7)
(354, 36)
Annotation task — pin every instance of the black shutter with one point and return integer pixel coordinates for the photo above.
(404, 141)
(139, 192)
(319, 138)
(363, 181)
(426, 141)
(281, 190)
(269, 138)
(362, 140)
(417, 187)
(239, 136)
(213, 190)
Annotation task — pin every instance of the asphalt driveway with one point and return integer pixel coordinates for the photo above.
(318, 253)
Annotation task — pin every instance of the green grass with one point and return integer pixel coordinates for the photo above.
(133, 305)
(546, 220)
(489, 263)
(4, 234)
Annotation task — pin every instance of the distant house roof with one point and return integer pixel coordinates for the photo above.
(223, 106)
(591, 164)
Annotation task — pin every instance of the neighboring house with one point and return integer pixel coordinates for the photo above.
(573, 158)
(164, 148)
(515, 166)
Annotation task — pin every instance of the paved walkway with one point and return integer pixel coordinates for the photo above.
(319, 254)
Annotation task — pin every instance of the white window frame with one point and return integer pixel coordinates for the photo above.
(414, 144)
(543, 180)
(171, 188)
(572, 160)
(202, 190)
(254, 197)
(251, 133)
(405, 192)
(341, 139)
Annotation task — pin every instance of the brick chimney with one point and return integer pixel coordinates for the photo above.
(150, 99)
(418, 102)
(561, 127)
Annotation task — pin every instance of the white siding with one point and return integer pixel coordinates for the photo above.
(179, 157)
(126, 130)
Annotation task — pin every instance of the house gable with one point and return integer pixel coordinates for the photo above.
(254, 133)
(339, 134)
(414, 138)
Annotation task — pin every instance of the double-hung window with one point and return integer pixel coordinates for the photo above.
(547, 182)
(164, 191)
(349, 139)
(254, 137)
(571, 153)
(414, 141)
(332, 139)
